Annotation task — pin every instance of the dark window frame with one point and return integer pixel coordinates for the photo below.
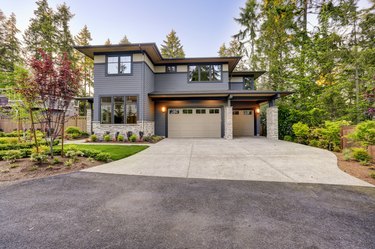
(211, 69)
(171, 66)
(118, 64)
(251, 83)
(112, 108)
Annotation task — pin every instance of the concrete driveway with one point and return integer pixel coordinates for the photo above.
(255, 158)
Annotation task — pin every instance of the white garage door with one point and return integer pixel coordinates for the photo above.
(243, 123)
(194, 122)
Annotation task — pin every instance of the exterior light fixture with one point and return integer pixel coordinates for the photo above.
(257, 110)
(163, 109)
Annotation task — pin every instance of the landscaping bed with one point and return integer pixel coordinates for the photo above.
(355, 169)
(77, 157)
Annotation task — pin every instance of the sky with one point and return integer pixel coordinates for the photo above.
(202, 25)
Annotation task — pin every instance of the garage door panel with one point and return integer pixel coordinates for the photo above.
(243, 123)
(200, 123)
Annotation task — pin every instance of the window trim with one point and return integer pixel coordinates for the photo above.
(112, 106)
(199, 73)
(118, 64)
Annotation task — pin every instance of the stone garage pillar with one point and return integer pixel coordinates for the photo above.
(228, 122)
(272, 123)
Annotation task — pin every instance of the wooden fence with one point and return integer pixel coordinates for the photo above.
(9, 125)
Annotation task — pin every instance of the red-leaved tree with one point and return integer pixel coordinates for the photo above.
(56, 83)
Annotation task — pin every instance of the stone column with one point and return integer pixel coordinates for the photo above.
(228, 122)
(272, 123)
(88, 120)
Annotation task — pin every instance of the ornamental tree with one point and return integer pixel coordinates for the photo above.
(55, 83)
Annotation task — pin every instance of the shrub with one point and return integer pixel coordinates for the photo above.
(133, 138)
(120, 138)
(55, 161)
(301, 131)
(12, 155)
(68, 163)
(372, 175)
(361, 155)
(84, 134)
(103, 156)
(347, 153)
(152, 139)
(288, 138)
(72, 130)
(74, 154)
(8, 140)
(90, 152)
(314, 143)
(364, 133)
(107, 138)
(129, 134)
(94, 138)
(38, 158)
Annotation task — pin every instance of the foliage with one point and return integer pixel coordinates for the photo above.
(68, 163)
(330, 132)
(347, 153)
(107, 138)
(133, 138)
(93, 138)
(72, 130)
(74, 154)
(172, 47)
(125, 41)
(235, 49)
(361, 155)
(120, 138)
(301, 131)
(129, 134)
(364, 133)
(108, 42)
(152, 139)
(12, 155)
(372, 175)
(8, 140)
(55, 161)
(38, 157)
(103, 157)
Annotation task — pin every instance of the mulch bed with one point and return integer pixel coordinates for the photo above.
(25, 169)
(355, 169)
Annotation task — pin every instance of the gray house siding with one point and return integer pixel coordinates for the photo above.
(149, 87)
(236, 85)
(161, 125)
(179, 82)
(118, 85)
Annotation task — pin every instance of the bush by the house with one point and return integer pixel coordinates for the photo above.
(120, 138)
(93, 138)
(107, 138)
(361, 155)
(301, 131)
(152, 139)
(288, 138)
(73, 132)
(133, 138)
(12, 155)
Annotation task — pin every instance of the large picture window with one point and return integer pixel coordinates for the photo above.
(204, 73)
(119, 110)
(119, 64)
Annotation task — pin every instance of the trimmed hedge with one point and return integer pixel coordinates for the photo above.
(24, 145)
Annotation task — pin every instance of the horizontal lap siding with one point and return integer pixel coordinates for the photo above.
(117, 85)
(149, 87)
(179, 82)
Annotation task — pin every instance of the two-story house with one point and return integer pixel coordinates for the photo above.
(136, 89)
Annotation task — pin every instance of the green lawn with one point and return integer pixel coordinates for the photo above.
(116, 151)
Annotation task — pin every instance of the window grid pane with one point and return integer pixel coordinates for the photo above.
(119, 109)
(131, 110)
(106, 110)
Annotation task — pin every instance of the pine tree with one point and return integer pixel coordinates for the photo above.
(2, 42)
(12, 53)
(87, 64)
(65, 39)
(234, 49)
(42, 32)
(172, 47)
(125, 40)
(108, 42)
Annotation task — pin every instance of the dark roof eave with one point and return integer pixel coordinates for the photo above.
(234, 93)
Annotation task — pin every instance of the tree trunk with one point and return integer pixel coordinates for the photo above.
(62, 136)
(33, 128)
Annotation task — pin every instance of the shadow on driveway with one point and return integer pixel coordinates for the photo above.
(92, 210)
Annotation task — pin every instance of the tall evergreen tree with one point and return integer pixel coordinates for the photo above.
(65, 39)
(2, 41)
(125, 40)
(87, 64)
(42, 32)
(12, 53)
(108, 42)
(172, 47)
(234, 49)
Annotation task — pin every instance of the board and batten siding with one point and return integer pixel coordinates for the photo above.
(179, 82)
(124, 85)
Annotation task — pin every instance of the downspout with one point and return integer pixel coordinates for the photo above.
(143, 88)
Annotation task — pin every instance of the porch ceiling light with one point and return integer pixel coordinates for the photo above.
(257, 110)
(163, 109)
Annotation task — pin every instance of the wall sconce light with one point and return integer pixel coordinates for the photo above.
(163, 109)
(257, 110)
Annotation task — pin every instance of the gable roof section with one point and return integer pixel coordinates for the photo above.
(154, 54)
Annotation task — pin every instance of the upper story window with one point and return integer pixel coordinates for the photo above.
(119, 64)
(249, 83)
(204, 73)
(171, 69)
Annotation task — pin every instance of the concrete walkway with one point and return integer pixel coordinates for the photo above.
(256, 159)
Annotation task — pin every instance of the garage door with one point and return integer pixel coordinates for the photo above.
(243, 123)
(194, 122)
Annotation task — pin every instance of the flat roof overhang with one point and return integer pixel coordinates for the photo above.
(255, 74)
(154, 54)
(234, 95)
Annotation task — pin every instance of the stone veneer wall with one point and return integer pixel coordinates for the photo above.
(88, 121)
(228, 122)
(272, 123)
(102, 129)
